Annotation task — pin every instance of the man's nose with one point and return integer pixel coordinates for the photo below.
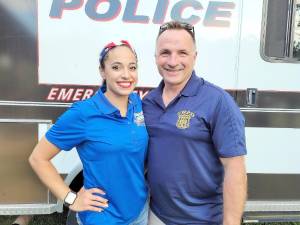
(173, 60)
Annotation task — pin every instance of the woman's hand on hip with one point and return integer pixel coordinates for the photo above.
(87, 200)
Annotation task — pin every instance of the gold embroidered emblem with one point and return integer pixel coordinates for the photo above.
(184, 118)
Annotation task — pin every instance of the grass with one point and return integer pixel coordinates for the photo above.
(60, 219)
(292, 223)
(53, 219)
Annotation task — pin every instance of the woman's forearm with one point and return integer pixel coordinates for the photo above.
(41, 164)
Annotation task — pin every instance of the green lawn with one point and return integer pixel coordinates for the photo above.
(53, 219)
(60, 219)
(273, 223)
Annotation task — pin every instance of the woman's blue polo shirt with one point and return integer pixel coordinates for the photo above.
(112, 149)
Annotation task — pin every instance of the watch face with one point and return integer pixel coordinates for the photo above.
(70, 198)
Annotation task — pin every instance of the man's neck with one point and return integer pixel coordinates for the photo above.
(170, 92)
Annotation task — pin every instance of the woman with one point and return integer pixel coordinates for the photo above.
(109, 133)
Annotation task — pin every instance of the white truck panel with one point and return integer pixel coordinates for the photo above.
(66, 42)
(253, 70)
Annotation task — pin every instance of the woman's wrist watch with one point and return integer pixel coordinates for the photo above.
(70, 198)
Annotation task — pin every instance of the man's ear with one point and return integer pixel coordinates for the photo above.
(196, 53)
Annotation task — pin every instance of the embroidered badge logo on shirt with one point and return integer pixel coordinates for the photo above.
(139, 119)
(184, 118)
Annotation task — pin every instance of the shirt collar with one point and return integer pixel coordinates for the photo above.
(192, 86)
(104, 105)
(157, 97)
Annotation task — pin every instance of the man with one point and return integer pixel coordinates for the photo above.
(196, 169)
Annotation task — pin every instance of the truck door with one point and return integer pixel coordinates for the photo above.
(268, 94)
(24, 117)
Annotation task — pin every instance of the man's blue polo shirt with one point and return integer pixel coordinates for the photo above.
(112, 149)
(187, 139)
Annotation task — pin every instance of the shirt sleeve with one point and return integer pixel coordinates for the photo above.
(69, 129)
(228, 128)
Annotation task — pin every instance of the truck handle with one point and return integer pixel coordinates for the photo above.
(251, 97)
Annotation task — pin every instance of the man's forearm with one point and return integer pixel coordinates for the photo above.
(234, 191)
